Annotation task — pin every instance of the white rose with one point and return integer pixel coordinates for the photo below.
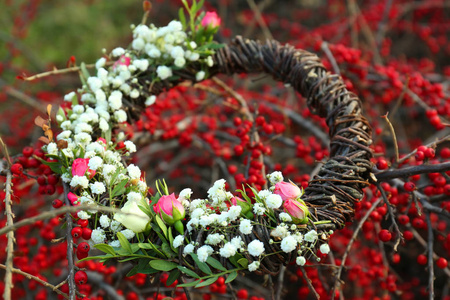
(137, 222)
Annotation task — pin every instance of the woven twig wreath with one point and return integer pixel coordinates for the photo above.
(224, 234)
(331, 194)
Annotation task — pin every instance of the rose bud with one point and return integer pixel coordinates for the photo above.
(297, 210)
(287, 190)
(170, 209)
(211, 19)
(73, 198)
(80, 166)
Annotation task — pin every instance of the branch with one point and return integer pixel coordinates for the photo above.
(280, 282)
(430, 257)
(308, 282)
(71, 265)
(409, 171)
(337, 283)
(35, 278)
(399, 235)
(10, 245)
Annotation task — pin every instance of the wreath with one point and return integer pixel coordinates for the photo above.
(227, 232)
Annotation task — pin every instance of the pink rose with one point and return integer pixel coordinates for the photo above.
(297, 210)
(211, 19)
(287, 190)
(170, 209)
(122, 61)
(80, 166)
(73, 198)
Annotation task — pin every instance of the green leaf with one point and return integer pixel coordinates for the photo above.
(168, 250)
(119, 188)
(171, 239)
(201, 265)
(145, 246)
(173, 276)
(105, 248)
(141, 266)
(234, 259)
(162, 265)
(231, 277)
(188, 272)
(189, 284)
(157, 251)
(243, 262)
(215, 264)
(207, 281)
(124, 243)
(182, 18)
(108, 135)
(61, 113)
(84, 71)
(96, 257)
(161, 225)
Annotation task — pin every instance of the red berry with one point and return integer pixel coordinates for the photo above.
(80, 277)
(57, 203)
(429, 153)
(385, 235)
(83, 222)
(86, 233)
(260, 120)
(76, 232)
(403, 219)
(447, 189)
(50, 189)
(421, 259)
(441, 263)
(445, 152)
(409, 186)
(83, 247)
(382, 164)
(81, 255)
(52, 179)
(220, 281)
(41, 180)
(242, 294)
(238, 150)
(396, 258)
(237, 121)
(419, 156)
(408, 235)
(17, 169)
(27, 151)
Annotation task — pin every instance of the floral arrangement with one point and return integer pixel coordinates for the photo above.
(164, 232)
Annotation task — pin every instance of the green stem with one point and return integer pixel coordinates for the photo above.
(322, 222)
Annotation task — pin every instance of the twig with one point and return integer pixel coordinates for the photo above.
(54, 213)
(326, 50)
(5, 152)
(71, 265)
(247, 113)
(185, 289)
(35, 278)
(98, 279)
(280, 283)
(382, 26)
(432, 144)
(394, 137)
(430, 257)
(55, 72)
(399, 235)
(22, 97)
(308, 282)
(10, 245)
(409, 171)
(337, 283)
(259, 19)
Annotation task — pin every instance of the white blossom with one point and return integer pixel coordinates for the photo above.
(203, 252)
(311, 236)
(284, 217)
(253, 266)
(134, 172)
(129, 234)
(115, 100)
(228, 250)
(280, 231)
(69, 97)
(288, 244)
(214, 239)
(138, 44)
(324, 248)
(100, 63)
(115, 225)
(98, 236)
(52, 148)
(300, 261)
(237, 241)
(79, 181)
(150, 100)
(133, 196)
(83, 215)
(98, 188)
(130, 146)
(275, 177)
(178, 241)
(188, 249)
(115, 244)
(255, 248)
(259, 209)
(200, 75)
(118, 51)
(104, 221)
(245, 227)
(274, 201)
(164, 72)
(95, 163)
(94, 83)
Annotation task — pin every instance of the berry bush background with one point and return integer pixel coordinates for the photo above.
(393, 54)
